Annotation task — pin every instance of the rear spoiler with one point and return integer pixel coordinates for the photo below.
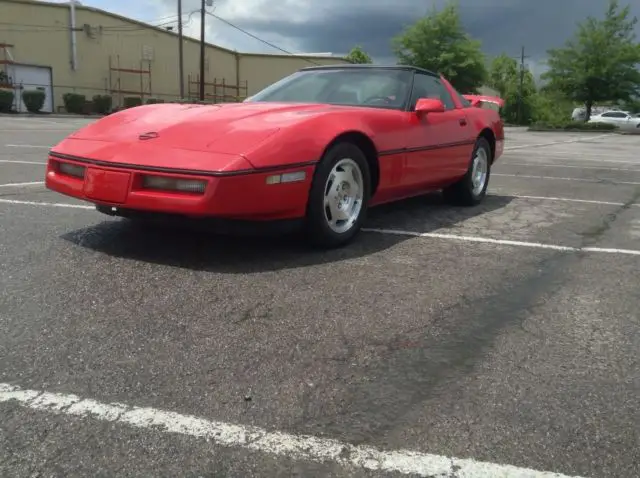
(479, 100)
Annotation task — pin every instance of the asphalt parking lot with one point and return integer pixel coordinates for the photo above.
(495, 341)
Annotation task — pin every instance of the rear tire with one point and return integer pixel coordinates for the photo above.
(339, 196)
(472, 188)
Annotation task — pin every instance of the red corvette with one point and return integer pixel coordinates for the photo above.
(316, 148)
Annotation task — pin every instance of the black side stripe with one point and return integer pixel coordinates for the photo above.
(389, 152)
(190, 172)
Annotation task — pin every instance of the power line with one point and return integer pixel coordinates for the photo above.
(258, 38)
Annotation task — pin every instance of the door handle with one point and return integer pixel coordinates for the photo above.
(463, 121)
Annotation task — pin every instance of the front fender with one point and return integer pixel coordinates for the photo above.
(306, 142)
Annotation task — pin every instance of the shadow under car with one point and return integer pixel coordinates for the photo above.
(206, 250)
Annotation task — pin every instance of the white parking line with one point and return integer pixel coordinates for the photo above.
(568, 141)
(17, 185)
(518, 196)
(434, 235)
(502, 242)
(37, 130)
(590, 159)
(18, 161)
(582, 180)
(297, 447)
(572, 152)
(27, 146)
(49, 204)
(573, 166)
(586, 201)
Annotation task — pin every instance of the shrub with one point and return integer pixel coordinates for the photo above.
(552, 108)
(153, 101)
(132, 101)
(102, 104)
(33, 100)
(74, 103)
(6, 101)
(596, 126)
(510, 111)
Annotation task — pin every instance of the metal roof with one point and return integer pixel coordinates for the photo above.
(369, 66)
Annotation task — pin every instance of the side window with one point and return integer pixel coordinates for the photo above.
(465, 102)
(426, 86)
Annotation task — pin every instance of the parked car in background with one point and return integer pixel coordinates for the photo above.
(621, 119)
(579, 114)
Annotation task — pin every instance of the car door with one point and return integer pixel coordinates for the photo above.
(617, 118)
(437, 144)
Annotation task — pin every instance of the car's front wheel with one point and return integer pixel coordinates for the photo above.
(339, 196)
(472, 188)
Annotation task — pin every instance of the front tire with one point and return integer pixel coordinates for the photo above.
(472, 188)
(339, 196)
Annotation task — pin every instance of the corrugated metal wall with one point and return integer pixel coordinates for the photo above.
(39, 33)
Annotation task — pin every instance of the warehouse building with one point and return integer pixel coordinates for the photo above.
(69, 47)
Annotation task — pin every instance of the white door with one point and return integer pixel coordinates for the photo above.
(27, 77)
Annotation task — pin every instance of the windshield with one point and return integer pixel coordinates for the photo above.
(354, 87)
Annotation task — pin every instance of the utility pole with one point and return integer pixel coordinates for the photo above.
(180, 52)
(202, 13)
(521, 87)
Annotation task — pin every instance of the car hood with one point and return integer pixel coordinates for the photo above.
(234, 128)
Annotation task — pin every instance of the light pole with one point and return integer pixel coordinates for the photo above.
(202, 13)
(180, 54)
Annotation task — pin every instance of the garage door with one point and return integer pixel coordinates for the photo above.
(28, 77)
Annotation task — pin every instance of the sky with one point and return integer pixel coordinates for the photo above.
(314, 26)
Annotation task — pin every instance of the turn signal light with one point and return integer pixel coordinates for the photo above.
(287, 177)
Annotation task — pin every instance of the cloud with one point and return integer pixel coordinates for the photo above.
(337, 25)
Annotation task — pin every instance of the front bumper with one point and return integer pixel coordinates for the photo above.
(247, 195)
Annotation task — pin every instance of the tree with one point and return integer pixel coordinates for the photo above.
(438, 42)
(601, 62)
(503, 74)
(632, 105)
(358, 55)
(517, 87)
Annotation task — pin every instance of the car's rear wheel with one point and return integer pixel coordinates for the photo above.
(339, 196)
(472, 188)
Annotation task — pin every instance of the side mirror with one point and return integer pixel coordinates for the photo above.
(476, 103)
(429, 105)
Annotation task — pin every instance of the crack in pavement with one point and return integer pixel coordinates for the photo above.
(592, 235)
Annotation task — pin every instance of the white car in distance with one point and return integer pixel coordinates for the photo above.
(621, 119)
